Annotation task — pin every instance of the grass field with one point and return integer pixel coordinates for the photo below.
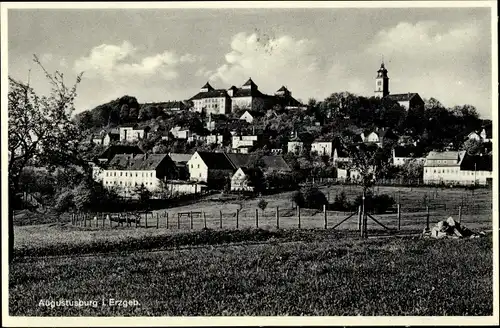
(316, 275)
(476, 214)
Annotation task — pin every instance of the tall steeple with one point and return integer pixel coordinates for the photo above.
(382, 82)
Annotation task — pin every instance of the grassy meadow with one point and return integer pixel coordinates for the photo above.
(317, 275)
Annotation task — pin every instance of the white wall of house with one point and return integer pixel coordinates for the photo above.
(126, 181)
(215, 139)
(215, 105)
(239, 181)
(131, 135)
(241, 102)
(242, 141)
(454, 175)
(295, 146)
(97, 141)
(198, 170)
(399, 161)
(247, 117)
(106, 140)
(179, 188)
(322, 148)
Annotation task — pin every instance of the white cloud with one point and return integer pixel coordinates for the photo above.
(270, 62)
(426, 38)
(121, 62)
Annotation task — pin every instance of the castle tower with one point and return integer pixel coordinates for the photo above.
(381, 82)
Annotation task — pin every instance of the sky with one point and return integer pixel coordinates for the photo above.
(169, 54)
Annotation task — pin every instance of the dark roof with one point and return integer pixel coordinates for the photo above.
(217, 161)
(210, 94)
(128, 125)
(139, 162)
(477, 163)
(207, 86)
(180, 158)
(489, 130)
(238, 160)
(275, 163)
(282, 89)
(113, 150)
(248, 93)
(249, 82)
(402, 96)
(407, 152)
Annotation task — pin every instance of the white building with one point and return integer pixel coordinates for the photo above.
(402, 155)
(457, 167)
(127, 172)
(242, 141)
(212, 101)
(207, 166)
(179, 132)
(322, 147)
(217, 139)
(131, 134)
(241, 180)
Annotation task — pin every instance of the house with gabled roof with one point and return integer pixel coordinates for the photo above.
(404, 154)
(457, 167)
(213, 168)
(250, 115)
(378, 136)
(127, 172)
(322, 147)
(249, 97)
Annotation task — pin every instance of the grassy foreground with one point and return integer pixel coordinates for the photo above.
(316, 276)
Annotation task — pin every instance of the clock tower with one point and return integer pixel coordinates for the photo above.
(381, 82)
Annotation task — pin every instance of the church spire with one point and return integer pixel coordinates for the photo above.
(382, 81)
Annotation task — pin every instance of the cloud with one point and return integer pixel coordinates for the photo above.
(122, 62)
(271, 62)
(426, 37)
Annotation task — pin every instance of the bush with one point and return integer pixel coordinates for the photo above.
(64, 201)
(298, 198)
(340, 203)
(262, 204)
(378, 204)
(314, 198)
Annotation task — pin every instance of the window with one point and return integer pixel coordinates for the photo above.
(125, 173)
(120, 182)
(115, 174)
(199, 175)
(136, 174)
(121, 173)
(198, 165)
(151, 174)
(106, 173)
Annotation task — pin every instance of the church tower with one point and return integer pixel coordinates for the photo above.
(381, 82)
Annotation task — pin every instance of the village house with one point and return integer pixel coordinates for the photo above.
(131, 133)
(322, 147)
(457, 167)
(402, 155)
(284, 99)
(215, 139)
(215, 121)
(179, 132)
(249, 97)
(244, 143)
(250, 116)
(295, 145)
(211, 168)
(378, 137)
(243, 179)
(340, 155)
(127, 172)
(484, 135)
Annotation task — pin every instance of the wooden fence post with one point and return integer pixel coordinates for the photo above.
(460, 214)
(399, 217)
(166, 219)
(157, 220)
(256, 217)
(204, 220)
(427, 218)
(178, 221)
(85, 220)
(146, 219)
(220, 219)
(237, 218)
(191, 221)
(360, 221)
(137, 220)
(298, 214)
(325, 215)
(277, 217)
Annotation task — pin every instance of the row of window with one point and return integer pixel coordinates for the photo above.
(130, 174)
(455, 170)
(126, 183)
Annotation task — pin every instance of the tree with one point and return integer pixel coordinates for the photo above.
(143, 193)
(472, 146)
(40, 129)
(367, 160)
(262, 204)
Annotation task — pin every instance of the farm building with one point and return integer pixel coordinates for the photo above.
(378, 137)
(322, 147)
(457, 167)
(131, 132)
(401, 155)
(212, 168)
(244, 179)
(127, 172)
